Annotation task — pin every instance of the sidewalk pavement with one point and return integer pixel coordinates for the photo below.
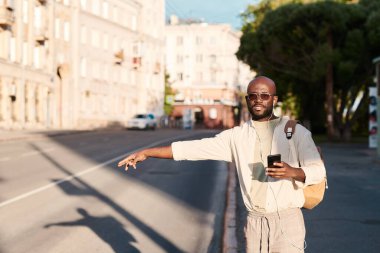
(347, 220)
(18, 135)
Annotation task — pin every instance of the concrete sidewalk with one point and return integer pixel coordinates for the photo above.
(348, 219)
(18, 135)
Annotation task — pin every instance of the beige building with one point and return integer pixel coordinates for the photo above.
(79, 63)
(204, 71)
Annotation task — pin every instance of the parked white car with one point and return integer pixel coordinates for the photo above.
(142, 121)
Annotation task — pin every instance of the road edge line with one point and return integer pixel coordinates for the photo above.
(229, 234)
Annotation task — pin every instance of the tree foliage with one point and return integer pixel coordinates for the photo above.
(318, 52)
(169, 96)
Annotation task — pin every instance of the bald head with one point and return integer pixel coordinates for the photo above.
(262, 80)
(261, 98)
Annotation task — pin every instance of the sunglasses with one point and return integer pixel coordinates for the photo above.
(256, 96)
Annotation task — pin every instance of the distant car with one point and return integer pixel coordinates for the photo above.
(142, 121)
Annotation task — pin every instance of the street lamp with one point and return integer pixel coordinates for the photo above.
(376, 62)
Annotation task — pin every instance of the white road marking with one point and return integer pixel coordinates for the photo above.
(79, 174)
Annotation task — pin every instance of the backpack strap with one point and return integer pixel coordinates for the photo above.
(290, 128)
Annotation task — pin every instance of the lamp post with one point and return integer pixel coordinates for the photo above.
(376, 62)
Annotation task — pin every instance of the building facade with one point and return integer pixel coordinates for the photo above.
(205, 73)
(79, 63)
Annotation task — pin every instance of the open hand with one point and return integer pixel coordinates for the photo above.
(132, 160)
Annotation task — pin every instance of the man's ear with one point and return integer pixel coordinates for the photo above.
(275, 99)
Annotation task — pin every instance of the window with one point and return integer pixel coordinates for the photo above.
(95, 7)
(95, 70)
(25, 11)
(107, 72)
(83, 67)
(83, 34)
(114, 14)
(200, 76)
(57, 28)
(83, 4)
(198, 40)
(105, 9)
(137, 48)
(179, 40)
(38, 16)
(5, 40)
(213, 76)
(180, 76)
(134, 23)
(199, 58)
(12, 54)
(105, 41)
(179, 59)
(25, 53)
(66, 31)
(95, 38)
(115, 44)
(213, 58)
(37, 57)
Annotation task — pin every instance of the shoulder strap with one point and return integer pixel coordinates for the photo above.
(290, 128)
(293, 151)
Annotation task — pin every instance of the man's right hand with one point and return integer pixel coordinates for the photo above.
(132, 160)
(157, 152)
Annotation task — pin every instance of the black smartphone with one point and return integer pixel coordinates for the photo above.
(272, 159)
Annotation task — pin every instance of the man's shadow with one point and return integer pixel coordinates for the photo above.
(106, 228)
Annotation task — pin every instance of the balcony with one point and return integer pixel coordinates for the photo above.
(40, 34)
(6, 16)
(9, 4)
(157, 68)
(42, 2)
(119, 57)
(136, 62)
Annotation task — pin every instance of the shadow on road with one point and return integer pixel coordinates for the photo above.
(86, 189)
(107, 228)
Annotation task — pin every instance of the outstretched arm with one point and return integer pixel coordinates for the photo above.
(158, 152)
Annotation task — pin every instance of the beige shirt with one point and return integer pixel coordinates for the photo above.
(239, 144)
(260, 191)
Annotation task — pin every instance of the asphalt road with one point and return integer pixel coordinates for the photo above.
(348, 219)
(66, 194)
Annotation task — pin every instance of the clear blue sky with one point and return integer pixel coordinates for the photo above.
(210, 11)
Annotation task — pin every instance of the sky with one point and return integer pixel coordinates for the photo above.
(210, 11)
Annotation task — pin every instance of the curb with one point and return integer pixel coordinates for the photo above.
(229, 234)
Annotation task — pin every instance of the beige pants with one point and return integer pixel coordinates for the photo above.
(282, 232)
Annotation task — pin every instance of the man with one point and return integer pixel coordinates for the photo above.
(273, 196)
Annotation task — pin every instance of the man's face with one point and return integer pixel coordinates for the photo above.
(260, 100)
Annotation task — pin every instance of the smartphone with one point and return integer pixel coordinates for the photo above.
(272, 159)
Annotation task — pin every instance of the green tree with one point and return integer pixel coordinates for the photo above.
(320, 51)
(169, 96)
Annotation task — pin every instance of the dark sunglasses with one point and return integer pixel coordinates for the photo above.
(256, 96)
